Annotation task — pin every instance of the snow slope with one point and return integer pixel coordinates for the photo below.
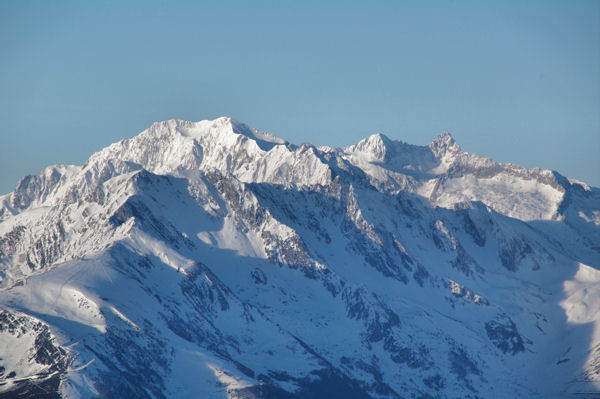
(209, 259)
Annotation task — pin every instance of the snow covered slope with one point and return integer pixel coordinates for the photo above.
(208, 259)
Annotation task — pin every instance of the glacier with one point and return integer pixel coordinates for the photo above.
(212, 260)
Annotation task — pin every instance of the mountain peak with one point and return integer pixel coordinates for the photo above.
(443, 144)
(375, 146)
(223, 129)
(445, 138)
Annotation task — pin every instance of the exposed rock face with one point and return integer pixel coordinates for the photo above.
(32, 362)
(209, 259)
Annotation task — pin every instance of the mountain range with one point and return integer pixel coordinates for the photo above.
(212, 260)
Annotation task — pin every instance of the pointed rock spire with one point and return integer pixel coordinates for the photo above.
(444, 144)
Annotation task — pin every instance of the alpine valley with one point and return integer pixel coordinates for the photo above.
(211, 260)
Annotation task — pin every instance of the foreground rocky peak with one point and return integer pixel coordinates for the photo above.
(209, 259)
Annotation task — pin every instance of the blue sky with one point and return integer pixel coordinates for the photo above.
(515, 80)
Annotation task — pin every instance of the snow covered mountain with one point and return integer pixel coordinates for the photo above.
(211, 260)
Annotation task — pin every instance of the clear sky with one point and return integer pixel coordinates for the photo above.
(515, 80)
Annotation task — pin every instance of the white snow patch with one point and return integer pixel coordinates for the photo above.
(123, 317)
(230, 237)
(506, 194)
(593, 218)
(15, 354)
(158, 248)
(232, 383)
(57, 299)
(582, 304)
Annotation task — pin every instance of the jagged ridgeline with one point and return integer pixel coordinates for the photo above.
(211, 260)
